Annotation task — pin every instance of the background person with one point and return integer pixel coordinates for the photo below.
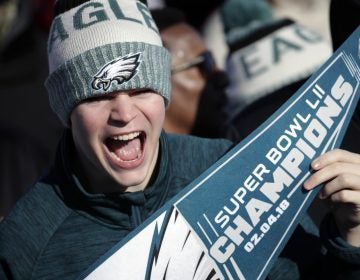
(115, 166)
(29, 129)
(198, 86)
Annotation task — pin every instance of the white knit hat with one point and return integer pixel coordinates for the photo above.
(104, 46)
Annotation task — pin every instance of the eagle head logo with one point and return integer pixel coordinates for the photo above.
(120, 70)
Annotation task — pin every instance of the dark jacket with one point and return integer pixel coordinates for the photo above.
(58, 229)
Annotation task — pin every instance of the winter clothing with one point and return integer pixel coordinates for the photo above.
(86, 60)
(59, 229)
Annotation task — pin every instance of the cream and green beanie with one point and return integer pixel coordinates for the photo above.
(103, 46)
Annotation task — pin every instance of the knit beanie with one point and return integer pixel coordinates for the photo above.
(104, 46)
(269, 57)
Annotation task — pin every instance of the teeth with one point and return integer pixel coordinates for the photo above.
(126, 137)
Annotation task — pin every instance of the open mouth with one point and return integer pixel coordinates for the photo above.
(127, 147)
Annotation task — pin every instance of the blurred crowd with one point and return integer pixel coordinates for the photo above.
(28, 127)
(233, 65)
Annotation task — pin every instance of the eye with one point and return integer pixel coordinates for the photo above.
(104, 75)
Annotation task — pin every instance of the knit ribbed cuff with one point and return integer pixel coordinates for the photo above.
(74, 80)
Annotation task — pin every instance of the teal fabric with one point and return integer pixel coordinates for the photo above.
(58, 229)
(244, 14)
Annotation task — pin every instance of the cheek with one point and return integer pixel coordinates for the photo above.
(84, 124)
(155, 111)
(159, 117)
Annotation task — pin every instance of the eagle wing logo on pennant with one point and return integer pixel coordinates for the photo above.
(120, 70)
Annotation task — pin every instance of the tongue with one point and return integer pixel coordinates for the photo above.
(126, 150)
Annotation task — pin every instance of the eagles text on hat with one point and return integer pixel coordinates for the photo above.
(94, 13)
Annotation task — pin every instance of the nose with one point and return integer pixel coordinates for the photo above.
(122, 109)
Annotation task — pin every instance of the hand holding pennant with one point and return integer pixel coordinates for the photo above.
(233, 221)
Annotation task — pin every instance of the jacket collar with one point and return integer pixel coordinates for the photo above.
(115, 209)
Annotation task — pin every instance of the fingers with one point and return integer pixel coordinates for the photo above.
(338, 164)
(339, 171)
(341, 182)
(344, 175)
(345, 196)
(333, 156)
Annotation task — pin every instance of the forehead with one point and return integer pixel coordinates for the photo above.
(183, 42)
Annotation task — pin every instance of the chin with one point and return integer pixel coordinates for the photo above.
(131, 182)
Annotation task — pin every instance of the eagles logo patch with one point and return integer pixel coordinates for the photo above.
(120, 70)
